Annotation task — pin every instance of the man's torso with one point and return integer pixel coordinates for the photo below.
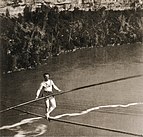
(47, 85)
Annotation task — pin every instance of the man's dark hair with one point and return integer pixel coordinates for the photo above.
(44, 75)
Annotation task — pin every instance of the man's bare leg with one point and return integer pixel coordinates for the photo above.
(47, 107)
(52, 107)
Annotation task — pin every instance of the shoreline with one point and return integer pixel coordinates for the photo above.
(66, 53)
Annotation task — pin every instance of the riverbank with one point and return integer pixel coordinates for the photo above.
(101, 55)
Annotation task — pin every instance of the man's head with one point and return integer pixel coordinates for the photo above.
(46, 76)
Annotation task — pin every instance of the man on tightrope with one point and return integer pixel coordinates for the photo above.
(47, 85)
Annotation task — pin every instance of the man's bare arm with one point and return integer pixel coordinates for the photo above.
(55, 87)
(39, 90)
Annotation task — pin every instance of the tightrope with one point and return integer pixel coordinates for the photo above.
(81, 124)
(55, 94)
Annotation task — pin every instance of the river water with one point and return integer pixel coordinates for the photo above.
(117, 105)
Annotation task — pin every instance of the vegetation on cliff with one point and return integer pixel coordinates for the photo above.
(36, 35)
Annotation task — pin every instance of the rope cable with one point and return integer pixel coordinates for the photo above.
(55, 94)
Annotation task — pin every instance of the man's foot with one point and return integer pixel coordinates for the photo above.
(47, 116)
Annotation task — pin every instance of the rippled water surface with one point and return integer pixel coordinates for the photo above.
(116, 105)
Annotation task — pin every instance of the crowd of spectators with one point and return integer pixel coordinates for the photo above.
(34, 36)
